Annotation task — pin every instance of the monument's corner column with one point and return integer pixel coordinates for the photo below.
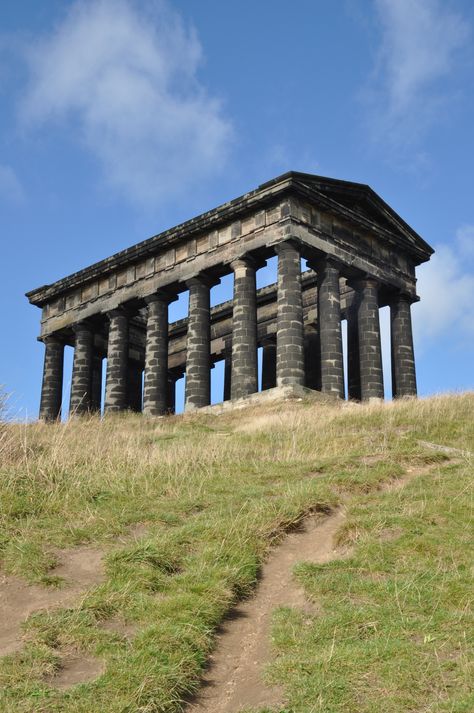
(403, 356)
(81, 382)
(116, 391)
(290, 338)
(52, 385)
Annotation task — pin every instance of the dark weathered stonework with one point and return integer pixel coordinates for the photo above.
(370, 350)
(403, 357)
(156, 394)
(198, 375)
(52, 388)
(347, 234)
(329, 313)
(290, 342)
(244, 372)
(81, 383)
(116, 383)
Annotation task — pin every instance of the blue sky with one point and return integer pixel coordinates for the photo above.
(121, 118)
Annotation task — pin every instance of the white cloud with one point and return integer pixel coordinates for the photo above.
(123, 76)
(11, 190)
(419, 48)
(465, 240)
(446, 289)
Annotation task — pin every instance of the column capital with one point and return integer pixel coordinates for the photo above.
(362, 282)
(289, 244)
(120, 311)
(83, 326)
(161, 296)
(318, 264)
(52, 338)
(400, 296)
(247, 260)
(202, 279)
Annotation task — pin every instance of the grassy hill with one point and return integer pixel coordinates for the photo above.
(183, 510)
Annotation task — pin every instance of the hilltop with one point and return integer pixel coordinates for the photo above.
(125, 543)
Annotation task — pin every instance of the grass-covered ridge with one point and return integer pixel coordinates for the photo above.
(213, 494)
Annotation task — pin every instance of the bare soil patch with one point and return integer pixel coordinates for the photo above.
(80, 568)
(75, 669)
(234, 679)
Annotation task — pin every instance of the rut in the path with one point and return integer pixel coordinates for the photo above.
(234, 679)
(235, 676)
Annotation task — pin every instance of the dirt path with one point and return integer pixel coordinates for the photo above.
(234, 680)
(81, 568)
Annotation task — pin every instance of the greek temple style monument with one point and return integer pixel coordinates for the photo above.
(361, 255)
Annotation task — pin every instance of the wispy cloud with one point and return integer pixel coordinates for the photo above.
(11, 190)
(446, 288)
(123, 77)
(420, 44)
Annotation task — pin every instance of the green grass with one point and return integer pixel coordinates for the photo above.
(215, 493)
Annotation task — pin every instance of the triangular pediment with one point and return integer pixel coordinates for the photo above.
(362, 201)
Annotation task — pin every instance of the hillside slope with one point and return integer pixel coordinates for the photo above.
(125, 542)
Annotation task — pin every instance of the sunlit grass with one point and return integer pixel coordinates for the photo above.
(213, 494)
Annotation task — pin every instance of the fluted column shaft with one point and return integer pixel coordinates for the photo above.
(370, 351)
(52, 386)
(269, 360)
(244, 379)
(329, 317)
(117, 362)
(290, 346)
(198, 374)
(81, 383)
(403, 357)
(155, 401)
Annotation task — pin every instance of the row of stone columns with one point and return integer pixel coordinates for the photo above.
(311, 357)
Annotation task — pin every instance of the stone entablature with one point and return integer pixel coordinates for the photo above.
(364, 257)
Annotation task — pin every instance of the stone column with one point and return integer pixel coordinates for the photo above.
(269, 360)
(117, 362)
(156, 358)
(370, 351)
(403, 357)
(244, 379)
(198, 374)
(81, 383)
(329, 318)
(135, 386)
(96, 387)
(290, 347)
(312, 357)
(353, 358)
(52, 387)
